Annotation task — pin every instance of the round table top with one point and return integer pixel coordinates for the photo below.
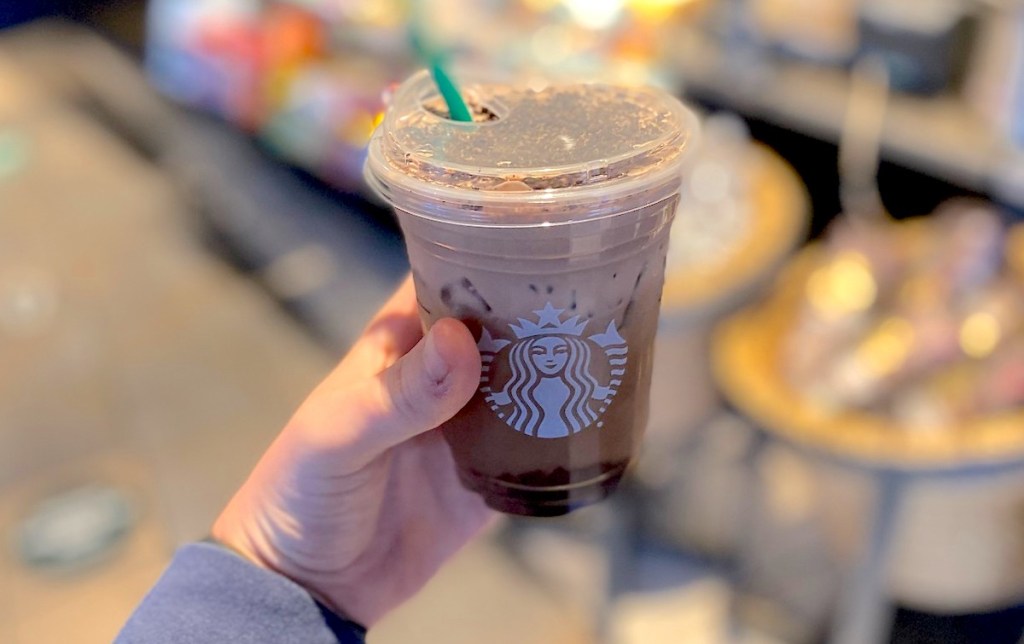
(778, 219)
(745, 356)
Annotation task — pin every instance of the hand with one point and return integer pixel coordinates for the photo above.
(357, 500)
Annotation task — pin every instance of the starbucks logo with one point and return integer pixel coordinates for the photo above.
(551, 391)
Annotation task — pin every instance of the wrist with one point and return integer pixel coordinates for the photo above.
(336, 619)
(227, 537)
(226, 534)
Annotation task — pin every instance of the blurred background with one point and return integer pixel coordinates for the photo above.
(836, 449)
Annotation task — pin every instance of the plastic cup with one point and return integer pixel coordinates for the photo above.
(543, 226)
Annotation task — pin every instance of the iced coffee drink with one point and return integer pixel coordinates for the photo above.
(543, 226)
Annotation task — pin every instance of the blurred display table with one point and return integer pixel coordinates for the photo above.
(918, 517)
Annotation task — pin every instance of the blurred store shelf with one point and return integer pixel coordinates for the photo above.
(329, 257)
(941, 136)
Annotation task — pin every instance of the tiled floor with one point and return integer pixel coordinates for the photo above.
(130, 358)
(90, 604)
(482, 596)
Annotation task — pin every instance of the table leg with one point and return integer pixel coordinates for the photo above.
(865, 614)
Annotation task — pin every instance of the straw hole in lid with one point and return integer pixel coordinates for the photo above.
(481, 112)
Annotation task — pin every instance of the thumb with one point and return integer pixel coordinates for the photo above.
(425, 387)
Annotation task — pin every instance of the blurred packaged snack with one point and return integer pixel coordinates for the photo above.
(995, 77)
(308, 76)
(301, 77)
(924, 43)
(888, 321)
(820, 30)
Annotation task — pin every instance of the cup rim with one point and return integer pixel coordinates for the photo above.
(458, 205)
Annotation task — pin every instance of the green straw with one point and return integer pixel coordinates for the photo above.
(450, 93)
(434, 59)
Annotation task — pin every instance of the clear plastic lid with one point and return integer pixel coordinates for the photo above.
(561, 144)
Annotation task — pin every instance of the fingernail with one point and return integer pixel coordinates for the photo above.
(436, 366)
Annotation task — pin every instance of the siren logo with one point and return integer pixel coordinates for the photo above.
(551, 391)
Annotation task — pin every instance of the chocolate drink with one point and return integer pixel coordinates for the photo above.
(541, 449)
(544, 228)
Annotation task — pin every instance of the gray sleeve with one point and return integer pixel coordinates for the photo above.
(210, 594)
